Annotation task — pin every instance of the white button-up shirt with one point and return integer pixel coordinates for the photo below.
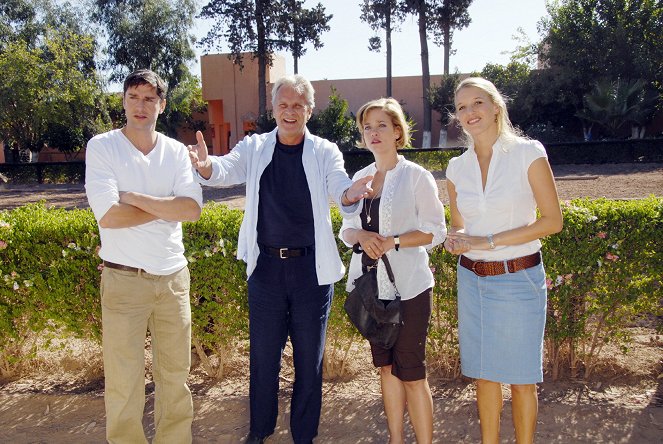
(409, 202)
(507, 201)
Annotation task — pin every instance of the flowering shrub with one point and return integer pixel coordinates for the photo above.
(604, 270)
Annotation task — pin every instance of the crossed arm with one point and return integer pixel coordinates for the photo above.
(136, 209)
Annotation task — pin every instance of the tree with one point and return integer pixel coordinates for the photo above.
(298, 25)
(335, 123)
(18, 22)
(245, 26)
(511, 80)
(442, 97)
(613, 104)
(387, 15)
(262, 27)
(184, 102)
(47, 95)
(588, 40)
(151, 34)
(447, 16)
(421, 10)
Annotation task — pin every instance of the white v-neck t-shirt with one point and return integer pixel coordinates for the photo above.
(114, 164)
(507, 201)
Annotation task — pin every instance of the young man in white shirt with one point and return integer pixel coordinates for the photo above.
(140, 187)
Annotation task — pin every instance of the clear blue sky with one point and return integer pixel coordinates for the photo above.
(345, 53)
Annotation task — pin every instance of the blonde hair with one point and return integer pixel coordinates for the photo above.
(300, 84)
(504, 126)
(394, 110)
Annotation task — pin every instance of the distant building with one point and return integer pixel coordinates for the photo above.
(232, 95)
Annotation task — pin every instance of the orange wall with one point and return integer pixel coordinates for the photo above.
(407, 90)
(222, 80)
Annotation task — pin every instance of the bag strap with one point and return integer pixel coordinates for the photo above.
(387, 265)
(356, 248)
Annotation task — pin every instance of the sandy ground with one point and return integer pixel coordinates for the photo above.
(613, 181)
(62, 402)
(60, 398)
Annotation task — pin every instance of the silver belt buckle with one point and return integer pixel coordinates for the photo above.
(282, 252)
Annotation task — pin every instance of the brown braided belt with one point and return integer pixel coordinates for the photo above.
(482, 268)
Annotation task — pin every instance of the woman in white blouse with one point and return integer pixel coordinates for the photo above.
(495, 188)
(401, 218)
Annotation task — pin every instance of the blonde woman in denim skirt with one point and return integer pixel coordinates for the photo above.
(495, 189)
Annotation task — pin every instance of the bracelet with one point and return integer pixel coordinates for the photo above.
(491, 243)
(397, 242)
(345, 195)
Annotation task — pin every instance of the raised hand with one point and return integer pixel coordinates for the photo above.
(199, 158)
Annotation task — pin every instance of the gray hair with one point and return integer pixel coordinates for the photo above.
(301, 86)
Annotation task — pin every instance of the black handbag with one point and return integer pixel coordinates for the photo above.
(377, 320)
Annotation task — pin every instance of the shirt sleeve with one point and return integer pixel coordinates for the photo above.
(451, 169)
(533, 150)
(101, 185)
(230, 169)
(430, 211)
(337, 180)
(185, 186)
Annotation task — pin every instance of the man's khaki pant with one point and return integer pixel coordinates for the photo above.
(133, 302)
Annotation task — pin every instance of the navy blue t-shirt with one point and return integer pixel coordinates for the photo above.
(285, 212)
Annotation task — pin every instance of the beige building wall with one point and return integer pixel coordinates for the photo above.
(407, 90)
(238, 89)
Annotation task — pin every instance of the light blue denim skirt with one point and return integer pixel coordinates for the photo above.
(500, 325)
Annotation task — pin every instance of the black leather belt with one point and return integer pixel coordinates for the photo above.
(123, 267)
(286, 252)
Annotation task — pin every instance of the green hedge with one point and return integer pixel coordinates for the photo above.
(605, 270)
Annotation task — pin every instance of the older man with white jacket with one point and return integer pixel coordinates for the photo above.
(286, 239)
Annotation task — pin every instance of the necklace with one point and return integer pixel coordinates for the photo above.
(370, 205)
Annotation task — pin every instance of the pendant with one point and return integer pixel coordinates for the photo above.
(368, 219)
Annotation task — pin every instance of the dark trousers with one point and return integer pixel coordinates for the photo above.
(285, 299)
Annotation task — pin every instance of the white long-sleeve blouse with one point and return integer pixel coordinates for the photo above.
(409, 202)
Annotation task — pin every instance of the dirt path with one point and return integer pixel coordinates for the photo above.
(612, 181)
(622, 404)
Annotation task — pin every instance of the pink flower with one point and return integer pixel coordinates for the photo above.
(100, 267)
(3, 245)
(432, 269)
(611, 257)
(549, 283)
(568, 276)
(601, 234)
